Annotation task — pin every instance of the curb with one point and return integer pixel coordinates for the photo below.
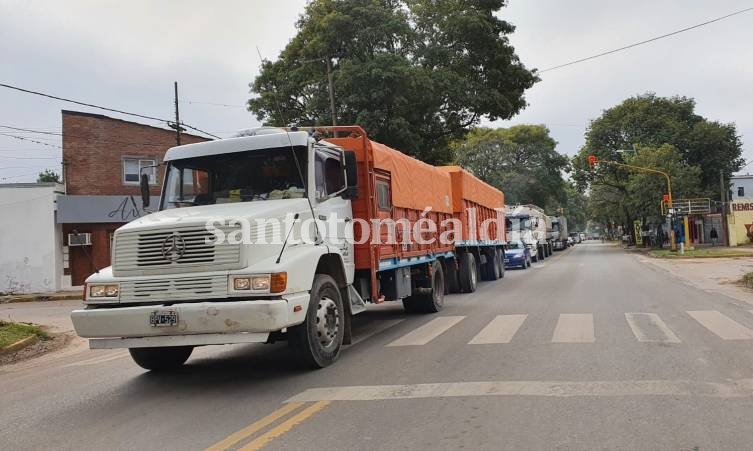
(40, 298)
(20, 344)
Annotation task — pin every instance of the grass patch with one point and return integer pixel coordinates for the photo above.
(747, 280)
(700, 253)
(12, 332)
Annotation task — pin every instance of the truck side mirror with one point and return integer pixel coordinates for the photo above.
(144, 190)
(351, 175)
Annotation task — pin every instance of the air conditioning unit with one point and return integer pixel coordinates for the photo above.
(80, 239)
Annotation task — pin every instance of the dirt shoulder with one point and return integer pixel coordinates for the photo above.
(714, 275)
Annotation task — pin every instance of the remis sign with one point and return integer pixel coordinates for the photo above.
(742, 206)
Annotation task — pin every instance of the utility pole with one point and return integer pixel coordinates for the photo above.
(723, 197)
(177, 116)
(331, 91)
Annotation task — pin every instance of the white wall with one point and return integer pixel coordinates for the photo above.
(30, 240)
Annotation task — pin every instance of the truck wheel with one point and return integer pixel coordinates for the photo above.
(453, 277)
(468, 272)
(434, 301)
(500, 262)
(492, 266)
(161, 359)
(317, 341)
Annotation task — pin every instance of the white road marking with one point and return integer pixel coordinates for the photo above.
(735, 388)
(381, 327)
(427, 332)
(645, 325)
(574, 328)
(722, 326)
(500, 330)
(99, 359)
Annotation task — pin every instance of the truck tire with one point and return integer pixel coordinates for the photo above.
(491, 267)
(468, 272)
(161, 359)
(317, 341)
(453, 277)
(500, 262)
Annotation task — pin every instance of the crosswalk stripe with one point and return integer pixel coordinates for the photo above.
(500, 330)
(646, 325)
(427, 332)
(574, 328)
(721, 325)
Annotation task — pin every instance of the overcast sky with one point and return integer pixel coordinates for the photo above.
(126, 55)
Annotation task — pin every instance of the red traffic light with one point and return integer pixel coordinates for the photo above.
(591, 160)
(666, 198)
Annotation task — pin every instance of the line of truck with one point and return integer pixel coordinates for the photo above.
(383, 227)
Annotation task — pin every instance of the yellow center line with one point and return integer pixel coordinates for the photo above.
(254, 427)
(284, 427)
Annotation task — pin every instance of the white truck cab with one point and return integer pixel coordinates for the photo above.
(175, 284)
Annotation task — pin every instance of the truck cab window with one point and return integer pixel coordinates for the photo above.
(383, 195)
(328, 172)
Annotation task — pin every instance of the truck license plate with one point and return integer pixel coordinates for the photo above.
(163, 318)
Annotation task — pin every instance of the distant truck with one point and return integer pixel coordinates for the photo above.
(174, 284)
(559, 233)
(531, 224)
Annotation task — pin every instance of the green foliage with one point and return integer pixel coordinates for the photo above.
(415, 74)
(657, 132)
(48, 176)
(520, 161)
(13, 332)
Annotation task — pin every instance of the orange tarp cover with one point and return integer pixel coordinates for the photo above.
(415, 184)
(466, 186)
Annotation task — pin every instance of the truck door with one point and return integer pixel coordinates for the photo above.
(330, 185)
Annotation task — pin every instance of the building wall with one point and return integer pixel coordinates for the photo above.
(94, 147)
(743, 181)
(31, 257)
(740, 222)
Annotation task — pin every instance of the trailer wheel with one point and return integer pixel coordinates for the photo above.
(500, 262)
(453, 277)
(468, 272)
(161, 359)
(317, 341)
(491, 267)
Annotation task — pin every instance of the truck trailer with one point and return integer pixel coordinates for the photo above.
(531, 224)
(224, 258)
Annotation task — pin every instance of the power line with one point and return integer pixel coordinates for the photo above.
(31, 140)
(196, 102)
(646, 41)
(91, 105)
(88, 138)
(28, 158)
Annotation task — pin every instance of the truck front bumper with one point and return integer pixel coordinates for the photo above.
(198, 323)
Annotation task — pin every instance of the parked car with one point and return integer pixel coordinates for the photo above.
(570, 241)
(517, 254)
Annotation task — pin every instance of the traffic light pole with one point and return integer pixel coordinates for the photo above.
(592, 161)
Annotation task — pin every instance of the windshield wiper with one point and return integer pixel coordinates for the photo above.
(181, 201)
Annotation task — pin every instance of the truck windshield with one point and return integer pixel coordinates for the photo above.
(256, 175)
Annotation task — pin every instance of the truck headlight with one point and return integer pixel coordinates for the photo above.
(104, 291)
(264, 283)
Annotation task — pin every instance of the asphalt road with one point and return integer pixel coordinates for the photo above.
(591, 349)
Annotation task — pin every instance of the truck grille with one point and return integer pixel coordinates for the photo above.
(153, 251)
(174, 289)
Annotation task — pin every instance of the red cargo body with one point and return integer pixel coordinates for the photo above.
(472, 196)
(410, 186)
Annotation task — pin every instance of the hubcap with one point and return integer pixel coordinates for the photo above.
(327, 322)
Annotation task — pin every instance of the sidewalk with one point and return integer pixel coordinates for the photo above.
(37, 297)
(714, 275)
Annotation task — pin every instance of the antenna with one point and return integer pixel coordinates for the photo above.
(295, 158)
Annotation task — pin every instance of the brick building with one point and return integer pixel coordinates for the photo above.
(102, 159)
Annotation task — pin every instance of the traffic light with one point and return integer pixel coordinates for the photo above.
(665, 198)
(591, 161)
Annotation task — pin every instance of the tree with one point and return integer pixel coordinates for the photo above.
(520, 161)
(648, 120)
(656, 132)
(416, 74)
(47, 176)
